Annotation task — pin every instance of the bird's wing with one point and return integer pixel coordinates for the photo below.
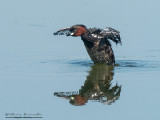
(112, 34)
(95, 32)
(64, 31)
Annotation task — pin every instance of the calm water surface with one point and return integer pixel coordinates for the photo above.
(54, 76)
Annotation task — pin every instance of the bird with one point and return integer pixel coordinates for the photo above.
(96, 41)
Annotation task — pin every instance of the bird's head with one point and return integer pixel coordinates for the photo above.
(75, 30)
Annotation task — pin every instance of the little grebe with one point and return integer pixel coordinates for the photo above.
(96, 41)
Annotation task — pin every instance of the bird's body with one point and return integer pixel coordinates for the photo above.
(96, 41)
(98, 49)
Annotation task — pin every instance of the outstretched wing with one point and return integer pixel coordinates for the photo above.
(111, 34)
(64, 31)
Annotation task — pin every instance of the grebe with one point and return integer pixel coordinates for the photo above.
(96, 41)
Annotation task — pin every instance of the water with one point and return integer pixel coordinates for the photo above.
(53, 77)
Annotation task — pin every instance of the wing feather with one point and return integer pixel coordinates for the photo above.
(64, 31)
(111, 34)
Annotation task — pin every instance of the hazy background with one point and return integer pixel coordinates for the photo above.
(34, 64)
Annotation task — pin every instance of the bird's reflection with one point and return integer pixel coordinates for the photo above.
(97, 87)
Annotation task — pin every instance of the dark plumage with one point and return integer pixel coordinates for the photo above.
(96, 41)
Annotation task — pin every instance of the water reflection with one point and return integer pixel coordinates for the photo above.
(97, 87)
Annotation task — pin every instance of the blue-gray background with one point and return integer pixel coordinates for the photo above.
(34, 64)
